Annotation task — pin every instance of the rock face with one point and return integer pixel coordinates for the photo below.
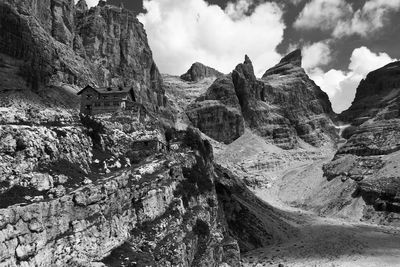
(69, 195)
(379, 90)
(48, 43)
(251, 228)
(291, 94)
(55, 216)
(26, 150)
(217, 113)
(283, 107)
(198, 72)
(370, 156)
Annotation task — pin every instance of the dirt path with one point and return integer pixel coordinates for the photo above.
(322, 241)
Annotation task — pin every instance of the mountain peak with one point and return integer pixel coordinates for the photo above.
(289, 63)
(379, 90)
(294, 58)
(82, 5)
(199, 71)
(246, 68)
(247, 60)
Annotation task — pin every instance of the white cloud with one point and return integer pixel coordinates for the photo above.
(182, 32)
(317, 54)
(370, 18)
(322, 14)
(90, 3)
(363, 61)
(238, 9)
(340, 17)
(340, 85)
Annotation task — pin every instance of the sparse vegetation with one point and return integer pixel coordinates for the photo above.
(94, 127)
(197, 182)
(193, 140)
(125, 255)
(21, 145)
(16, 194)
(72, 170)
(201, 228)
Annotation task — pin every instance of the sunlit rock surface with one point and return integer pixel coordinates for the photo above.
(198, 72)
(370, 155)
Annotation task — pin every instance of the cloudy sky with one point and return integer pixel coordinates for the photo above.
(342, 40)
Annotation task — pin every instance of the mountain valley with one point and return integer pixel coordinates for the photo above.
(202, 169)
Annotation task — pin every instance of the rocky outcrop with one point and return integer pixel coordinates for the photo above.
(75, 191)
(369, 158)
(291, 61)
(163, 212)
(216, 120)
(285, 105)
(199, 71)
(55, 42)
(251, 228)
(377, 92)
(217, 113)
(26, 150)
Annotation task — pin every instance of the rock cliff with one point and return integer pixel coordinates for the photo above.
(115, 189)
(50, 43)
(198, 72)
(369, 158)
(378, 91)
(133, 214)
(297, 106)
(217, 113)
(283, 107)
(75, 191)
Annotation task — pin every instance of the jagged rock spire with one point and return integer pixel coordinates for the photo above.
(246, 68)
(247, 60)
(82, 5)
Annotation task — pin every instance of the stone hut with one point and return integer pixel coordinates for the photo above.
(106, 100)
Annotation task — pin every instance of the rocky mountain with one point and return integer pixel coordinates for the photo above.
(199, 71)
(370, 156)
(283, 107)
(298, 104)
(114, 189)
(378, 91)
(51, 43)
(142, 187)
(217, 113)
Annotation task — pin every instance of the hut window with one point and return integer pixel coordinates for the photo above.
(97, 104)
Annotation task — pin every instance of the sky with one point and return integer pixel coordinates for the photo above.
(341, 40)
